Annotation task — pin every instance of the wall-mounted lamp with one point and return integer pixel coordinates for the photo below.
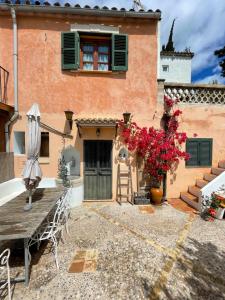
(98, 131)
(126, 117)
(69, 117)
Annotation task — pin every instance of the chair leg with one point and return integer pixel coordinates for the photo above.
(9, 284)
(67, 227)
(62, 236)
(55, 250)
(38, 244)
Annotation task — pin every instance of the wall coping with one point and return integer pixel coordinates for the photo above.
(194, 85)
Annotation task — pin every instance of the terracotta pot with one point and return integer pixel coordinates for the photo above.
(156, 195)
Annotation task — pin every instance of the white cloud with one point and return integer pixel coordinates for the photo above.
(211, 79)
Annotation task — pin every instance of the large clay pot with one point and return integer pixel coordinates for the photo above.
(156, 195)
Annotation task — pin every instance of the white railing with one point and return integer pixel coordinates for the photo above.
(195, 93)
(213, 186)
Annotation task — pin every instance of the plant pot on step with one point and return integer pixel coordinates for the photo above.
(220, 213)
(156, 195)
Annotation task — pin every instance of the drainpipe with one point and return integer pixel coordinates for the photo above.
(15, 80)
(158, 49)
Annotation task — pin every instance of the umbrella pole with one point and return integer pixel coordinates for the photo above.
(28, 206)
(30, 198)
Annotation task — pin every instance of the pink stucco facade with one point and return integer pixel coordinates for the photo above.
(41, 80)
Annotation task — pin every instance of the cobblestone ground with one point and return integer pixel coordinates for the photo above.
(122, 252)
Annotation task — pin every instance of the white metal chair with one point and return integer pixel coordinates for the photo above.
(4, 271)
(52, 230)
(65, 210)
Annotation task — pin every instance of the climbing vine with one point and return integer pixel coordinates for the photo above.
(161, 149)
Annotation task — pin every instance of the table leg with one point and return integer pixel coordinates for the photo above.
(26, 262)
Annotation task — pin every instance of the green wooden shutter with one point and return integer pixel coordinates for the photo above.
(200, 151)
(119, 52)
(205, 152)
(70, 50)
(192, 149)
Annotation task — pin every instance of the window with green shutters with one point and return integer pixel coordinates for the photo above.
(72, 50)
(200, 151)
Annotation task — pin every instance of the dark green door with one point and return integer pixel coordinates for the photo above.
(97, 170)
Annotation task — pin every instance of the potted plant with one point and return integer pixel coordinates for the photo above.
(213, 206)
(156, 192)
(62, 172)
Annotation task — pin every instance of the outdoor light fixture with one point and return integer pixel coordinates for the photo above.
(98, 131)
(69, 117)
(126, 117)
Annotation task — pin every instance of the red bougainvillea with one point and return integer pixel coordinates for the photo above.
(160, 148)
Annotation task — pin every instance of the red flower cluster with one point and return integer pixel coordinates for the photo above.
(212, 212)
(160, 148)
(170, 102)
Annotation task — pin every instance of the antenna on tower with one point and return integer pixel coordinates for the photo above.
(137, 5)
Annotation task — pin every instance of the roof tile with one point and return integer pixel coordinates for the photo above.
(77, 6)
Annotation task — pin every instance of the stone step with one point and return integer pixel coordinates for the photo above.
(209, 177)
(221, 164)
(217, 171)
(201, 183)
(189, 199)
(194, 190)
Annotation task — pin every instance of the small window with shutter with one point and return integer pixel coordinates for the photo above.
(200, 151)
(94, 52)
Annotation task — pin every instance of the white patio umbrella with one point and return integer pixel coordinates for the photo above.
(32, 173)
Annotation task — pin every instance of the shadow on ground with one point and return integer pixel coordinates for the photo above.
(198, 274)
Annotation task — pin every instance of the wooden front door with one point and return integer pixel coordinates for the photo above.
(97, 170)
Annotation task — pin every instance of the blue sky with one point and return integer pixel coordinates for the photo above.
(200, 25)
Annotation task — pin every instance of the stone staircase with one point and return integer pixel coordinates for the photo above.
(192, 195)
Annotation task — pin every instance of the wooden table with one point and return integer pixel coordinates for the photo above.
(15, 223)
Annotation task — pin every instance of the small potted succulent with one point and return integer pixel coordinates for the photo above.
(63, 172)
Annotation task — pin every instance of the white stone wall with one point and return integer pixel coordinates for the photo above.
(179, 69)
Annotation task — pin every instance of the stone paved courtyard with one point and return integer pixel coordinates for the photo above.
(124, 252)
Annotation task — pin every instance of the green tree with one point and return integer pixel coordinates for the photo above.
(220, 53)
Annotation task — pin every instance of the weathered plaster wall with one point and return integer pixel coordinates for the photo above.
(7, 166)
(207, 121)
(179, 69)
(41, 80)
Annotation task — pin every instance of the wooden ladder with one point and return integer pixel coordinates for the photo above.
(124, 182)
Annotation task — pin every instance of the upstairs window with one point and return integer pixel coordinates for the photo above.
(200, 151)
(94, 52)
(165, 68)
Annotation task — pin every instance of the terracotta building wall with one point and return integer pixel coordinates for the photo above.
(41, 80)
(207, 121)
